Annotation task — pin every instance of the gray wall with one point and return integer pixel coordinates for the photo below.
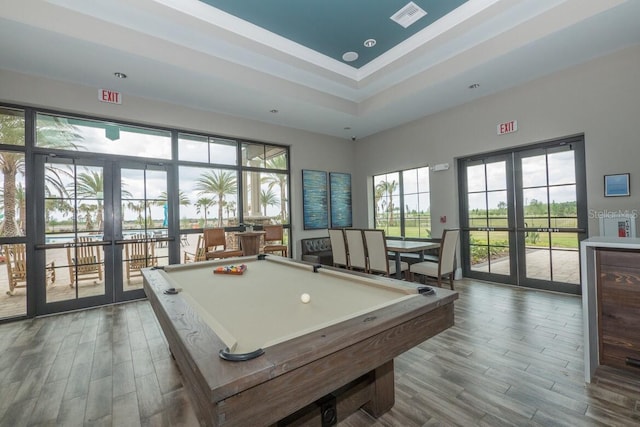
(308, 150)
(600, 99)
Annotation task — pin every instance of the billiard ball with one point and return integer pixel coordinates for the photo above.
(305, 298)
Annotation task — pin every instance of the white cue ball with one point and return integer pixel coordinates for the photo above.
(305, 298)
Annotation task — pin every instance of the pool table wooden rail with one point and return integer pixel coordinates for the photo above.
(295, 373)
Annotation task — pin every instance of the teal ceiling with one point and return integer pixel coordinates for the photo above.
(333, 27)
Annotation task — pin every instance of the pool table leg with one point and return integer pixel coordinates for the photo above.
(383, 390)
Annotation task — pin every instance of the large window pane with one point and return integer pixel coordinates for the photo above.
(402, 203)
(11, 127)
(196, 148)
(13, 197)
(417, 215)
(66, 133)
(208, 197)
(265, 198)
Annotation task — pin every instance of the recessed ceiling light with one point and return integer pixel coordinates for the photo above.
(370, 43)
(349, 56)
(474, 86)
(274, 111)
(120, 75)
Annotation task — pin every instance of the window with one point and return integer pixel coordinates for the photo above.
(253, 190)
(197, 148)
(12, 179)
(402, 203)
(265, 197)
(96, 136)
(208, 197)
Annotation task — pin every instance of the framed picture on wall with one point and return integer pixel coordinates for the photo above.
(616, 185)
(340, 196)
(314, 200)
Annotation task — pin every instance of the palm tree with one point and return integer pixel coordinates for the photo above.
(389, 188)
(138, 207)
(183, 200)
(219, 183)
(267, 198)
(230, 206)
(87, 209)
(52, 132)
(204, 203)
(280, 180)
(378, 193)
(91, 185)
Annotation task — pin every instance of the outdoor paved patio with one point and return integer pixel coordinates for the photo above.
(566, 269)
(566, 265)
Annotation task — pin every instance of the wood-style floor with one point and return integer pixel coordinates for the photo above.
(514, 357)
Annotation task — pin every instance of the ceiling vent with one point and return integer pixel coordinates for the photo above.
(408, 14)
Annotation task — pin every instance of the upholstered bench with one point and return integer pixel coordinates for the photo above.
(317, 250)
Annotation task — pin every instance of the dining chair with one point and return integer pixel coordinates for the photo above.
(85, 261)
(446, 260)
(377, 253)
(274, 239)
(338, 247)
(200, 253)
(356, 251)
(215, 243)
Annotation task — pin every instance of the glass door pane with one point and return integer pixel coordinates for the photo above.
(74, 254)
(143, 222)
(486, 226)
(548, 224)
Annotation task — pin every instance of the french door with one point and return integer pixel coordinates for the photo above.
(523, 214)
(100, 222)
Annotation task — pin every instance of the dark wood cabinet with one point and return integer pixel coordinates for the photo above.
(619, 308)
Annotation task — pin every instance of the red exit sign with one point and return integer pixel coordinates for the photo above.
(507, 127)
(110, 96)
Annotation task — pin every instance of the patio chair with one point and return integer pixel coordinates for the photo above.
(446, 264)
(215, 243)
(200, 253)
(274, 239)
(377, 253)
(84, 261)
(139, 254)
(16, 262)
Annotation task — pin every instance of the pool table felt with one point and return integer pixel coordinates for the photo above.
(262, 307)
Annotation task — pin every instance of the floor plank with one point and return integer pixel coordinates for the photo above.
(514, 357)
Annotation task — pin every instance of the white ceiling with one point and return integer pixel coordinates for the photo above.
(186, 52)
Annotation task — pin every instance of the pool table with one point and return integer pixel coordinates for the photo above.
(297, 362)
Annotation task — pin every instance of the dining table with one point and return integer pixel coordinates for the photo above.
(398, 247)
